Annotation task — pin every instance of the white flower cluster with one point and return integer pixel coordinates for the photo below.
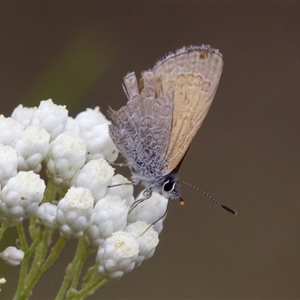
(75, 153)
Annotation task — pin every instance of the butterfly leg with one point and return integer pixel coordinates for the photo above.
(118, 165)
(147, 194)
(119, 184)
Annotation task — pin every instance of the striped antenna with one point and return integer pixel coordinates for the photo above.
(210, 197)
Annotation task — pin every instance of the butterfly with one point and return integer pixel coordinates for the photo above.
(164, 111)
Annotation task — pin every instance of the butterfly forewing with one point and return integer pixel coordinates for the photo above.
(192, 75)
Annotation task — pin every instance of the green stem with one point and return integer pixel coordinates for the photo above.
(25, 262)
(80, 258)
(51, 191)
(89, 275)
(66, 282)
(55, 251)
(22, 237)
(91, 283)
(2, 230)
(73, 270)
(89, 289)
(33, 227)
(40, 250)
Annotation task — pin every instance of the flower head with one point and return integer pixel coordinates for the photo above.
(84, 197)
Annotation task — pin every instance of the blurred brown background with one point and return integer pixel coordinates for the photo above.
(246, 154)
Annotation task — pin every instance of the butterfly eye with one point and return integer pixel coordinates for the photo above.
(169, 185)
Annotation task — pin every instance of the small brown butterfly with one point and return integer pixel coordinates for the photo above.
(165, 109)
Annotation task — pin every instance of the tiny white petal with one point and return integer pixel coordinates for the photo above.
(12, 256)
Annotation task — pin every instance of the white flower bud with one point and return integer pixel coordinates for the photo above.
(100, 144)
(23, 114)
(10, 131)
(74, 212)
(8, 163)
(20, 197)
(117, 255)
(124, 191)
(146, 237)
(12, 256)
(32, 147)
(46, 215)
(150, 211)
(89, 118)
(109, 215)
(94, 129)
(66, 155)
(2, 281)
(50, 116)
(95, 175)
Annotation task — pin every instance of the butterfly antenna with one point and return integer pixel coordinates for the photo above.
(210, 197)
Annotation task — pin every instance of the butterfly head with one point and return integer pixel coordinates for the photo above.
(168, 186)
